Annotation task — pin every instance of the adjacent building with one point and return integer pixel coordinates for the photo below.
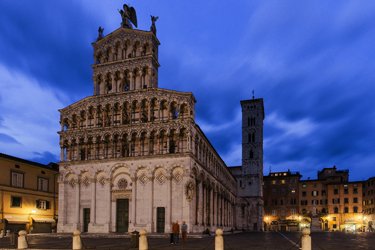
(331, 202)
(281, 197)
(344, 207)
(28, 195)
(369, 203)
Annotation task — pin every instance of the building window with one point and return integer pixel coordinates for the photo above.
(314, 193)
(335, 191)
(274, 182)
(346, 210)
(15, 201)
(304, 185)
(282, 181)
(346, 191)
(304, 194)
(355, 190)
(336, 210)
(355, 200)
(334, 226)
(346, 200)
(274, 212)
(42, 184)
(17, 179)
(42, 204)
(355, 209)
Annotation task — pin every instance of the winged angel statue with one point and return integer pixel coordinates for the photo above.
(128, 16)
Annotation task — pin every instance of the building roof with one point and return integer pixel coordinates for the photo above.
(283, 174)
(51, 166)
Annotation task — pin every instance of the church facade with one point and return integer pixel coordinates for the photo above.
(132, 156)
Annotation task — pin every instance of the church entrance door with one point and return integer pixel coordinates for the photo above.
(122, 215)
(86, 219)
(160, 219)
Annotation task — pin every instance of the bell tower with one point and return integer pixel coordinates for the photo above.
(251, 186)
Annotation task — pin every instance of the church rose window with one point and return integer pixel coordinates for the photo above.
(122, 184)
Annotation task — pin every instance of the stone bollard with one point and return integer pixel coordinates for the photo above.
(77, 243)
(143, 245)
(219, 240)
(306, 239)
(22, 243)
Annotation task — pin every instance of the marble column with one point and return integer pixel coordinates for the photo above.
(77, 206)
(93, 202)
(134, 201)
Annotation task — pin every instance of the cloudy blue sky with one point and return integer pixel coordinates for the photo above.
(311, 61)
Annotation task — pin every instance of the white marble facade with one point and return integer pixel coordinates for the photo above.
(132, 156)
(170, 183)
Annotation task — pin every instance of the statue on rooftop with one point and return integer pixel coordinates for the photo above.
(100, 33)
(153, 26)
(128, 16)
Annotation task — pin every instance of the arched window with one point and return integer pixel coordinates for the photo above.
(74, 121)
(125, 113)
(99, 117)
(152, 143)
(172, 142)
(116, 114)
(125, 146)
(90, 117)
(174, 111)
(144, 111)
(65, 125)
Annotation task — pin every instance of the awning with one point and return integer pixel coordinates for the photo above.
(43, 220)
(17, 220)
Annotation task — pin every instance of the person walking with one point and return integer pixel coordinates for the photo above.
(184, 229)
(176, 232)
(171, 240)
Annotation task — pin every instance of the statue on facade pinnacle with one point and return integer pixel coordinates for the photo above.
(128, 16)
(153, 26)
(100, 33)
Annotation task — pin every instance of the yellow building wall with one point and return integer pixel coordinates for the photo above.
(29, 193)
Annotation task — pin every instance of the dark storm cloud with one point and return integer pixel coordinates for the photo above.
(311, 61)
(312, 65)
(7, 139)
(44, 157)
(48, 40)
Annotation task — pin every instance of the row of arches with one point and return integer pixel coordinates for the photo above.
(125, 145)
(126, 80)
(122, 50)
(209, 158)
(128, 112)
(120, 172)
(214, 204)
